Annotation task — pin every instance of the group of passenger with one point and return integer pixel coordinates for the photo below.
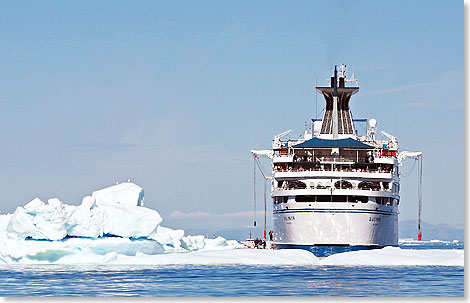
(260, 243)
(328, 168)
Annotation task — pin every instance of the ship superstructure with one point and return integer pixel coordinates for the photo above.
(333, 190)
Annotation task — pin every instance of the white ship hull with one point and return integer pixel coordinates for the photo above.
(334, 224)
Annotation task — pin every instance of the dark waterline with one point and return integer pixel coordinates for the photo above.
(230, 280)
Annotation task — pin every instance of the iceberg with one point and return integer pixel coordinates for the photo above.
(107, 225)
(114, 211)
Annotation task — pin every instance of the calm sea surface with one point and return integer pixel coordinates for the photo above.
(233, 280)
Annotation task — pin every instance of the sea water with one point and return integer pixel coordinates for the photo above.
(236, 280)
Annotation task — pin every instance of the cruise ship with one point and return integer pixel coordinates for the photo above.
(333, 190)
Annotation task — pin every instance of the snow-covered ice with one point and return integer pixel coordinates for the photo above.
(111, 226)
(123, 193)
(395, 256)
(226, 257)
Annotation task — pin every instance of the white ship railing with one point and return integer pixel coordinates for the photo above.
(328, 188)
(323, 159)
(348, 170)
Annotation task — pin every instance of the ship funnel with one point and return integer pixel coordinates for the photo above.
(337, 119)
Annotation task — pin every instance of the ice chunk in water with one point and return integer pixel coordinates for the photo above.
(123, 193)
(169, 238)
(129, 221)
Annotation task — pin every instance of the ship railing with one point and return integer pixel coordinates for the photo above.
(330, 160)
(286, 154)
(292, 170)
(329, 187)
(323, 159)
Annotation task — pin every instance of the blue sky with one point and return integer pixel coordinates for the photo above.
(174, 95)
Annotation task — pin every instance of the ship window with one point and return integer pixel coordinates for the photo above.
(278, 200)
(369, 185)
(305, 199)
(383, 200)
(296, 185)
(329, 198)
(324, 198)
(356, 199)
(343, 184)
(340, 198)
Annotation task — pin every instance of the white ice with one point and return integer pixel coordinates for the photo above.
(148, 252)
(226, 257)
(111, 222)
(389, 256)
(113, 227)
(123, 193)
(111, 211)
(395, 256)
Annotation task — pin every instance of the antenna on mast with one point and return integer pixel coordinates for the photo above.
(316, 95)
(335, 83)
(335, 104)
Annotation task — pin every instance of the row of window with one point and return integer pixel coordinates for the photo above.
(331, 198)
(340, 184)
(337, 198)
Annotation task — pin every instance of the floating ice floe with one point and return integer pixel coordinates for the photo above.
(435, 243)
(226, 257)
(395, 256)
(389, 256)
